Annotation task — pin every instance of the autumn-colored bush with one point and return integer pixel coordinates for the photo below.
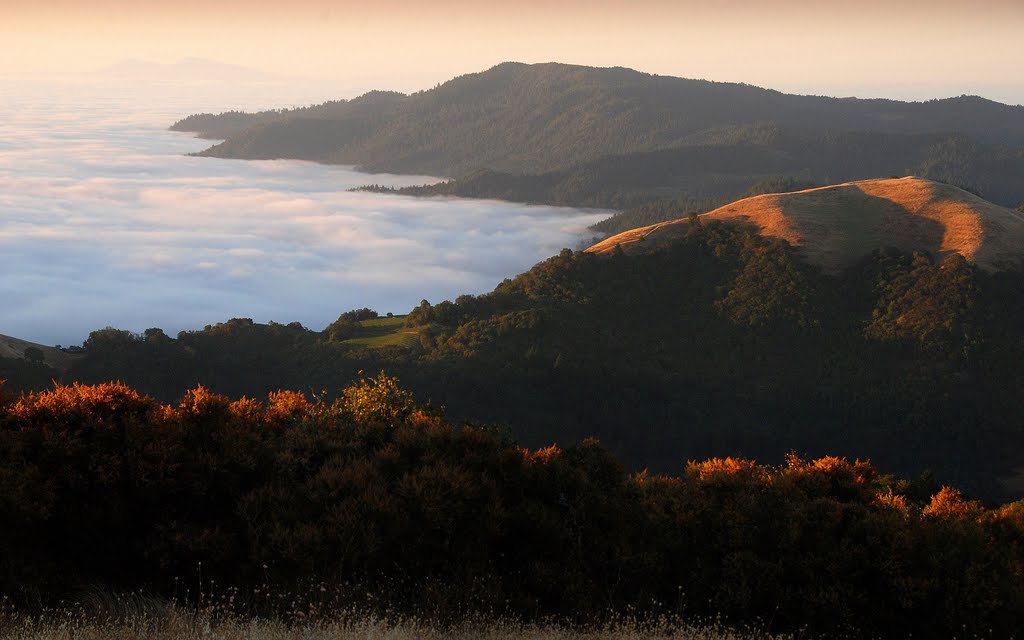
(393, 505)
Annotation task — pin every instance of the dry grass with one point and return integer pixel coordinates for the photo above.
(837, 225)
(171, 623)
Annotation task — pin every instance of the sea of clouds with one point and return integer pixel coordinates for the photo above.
(104, 221)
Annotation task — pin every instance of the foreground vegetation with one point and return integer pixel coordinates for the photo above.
(375, 503)
(160, 621)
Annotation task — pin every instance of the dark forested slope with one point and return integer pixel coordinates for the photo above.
(299, 511)
(722, 343)
(703, 177)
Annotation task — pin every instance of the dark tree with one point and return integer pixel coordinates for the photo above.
(34, 355)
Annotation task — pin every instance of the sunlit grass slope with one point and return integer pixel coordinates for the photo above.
(835, 226)
(380, 332)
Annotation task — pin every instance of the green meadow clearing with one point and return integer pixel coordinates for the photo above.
(385, 332)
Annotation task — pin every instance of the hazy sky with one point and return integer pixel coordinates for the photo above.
(897, 48)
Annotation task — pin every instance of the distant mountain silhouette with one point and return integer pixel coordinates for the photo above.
(615, 137)
(531, 118)
(186, 69)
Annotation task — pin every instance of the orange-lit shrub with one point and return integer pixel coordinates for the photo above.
(100, 485)
(285, 406)
(949, 503)
(379, 398)
(725, 470)
(201, 402)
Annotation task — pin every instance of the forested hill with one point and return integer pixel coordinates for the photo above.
(534, 118)
(723, 342)
(701, 177)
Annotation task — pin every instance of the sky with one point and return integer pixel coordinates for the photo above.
(907, 49)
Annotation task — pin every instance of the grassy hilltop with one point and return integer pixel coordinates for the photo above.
(836, 226)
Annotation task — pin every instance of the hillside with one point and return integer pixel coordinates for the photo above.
(836, 226)
(15, 348)
(532, 119)
(720, 343)
(703, 177)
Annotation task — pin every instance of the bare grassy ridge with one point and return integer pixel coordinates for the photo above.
(837, 225)
(15, 348)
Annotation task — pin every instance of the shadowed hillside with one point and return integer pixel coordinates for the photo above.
(22, 349)
(719, 171)
(838, 225)
(305, 511)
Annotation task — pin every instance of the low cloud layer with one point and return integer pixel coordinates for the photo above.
(104, 221)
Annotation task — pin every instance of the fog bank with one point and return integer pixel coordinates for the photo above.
(105, 221)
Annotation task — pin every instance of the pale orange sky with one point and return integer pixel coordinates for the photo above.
(870, 48)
